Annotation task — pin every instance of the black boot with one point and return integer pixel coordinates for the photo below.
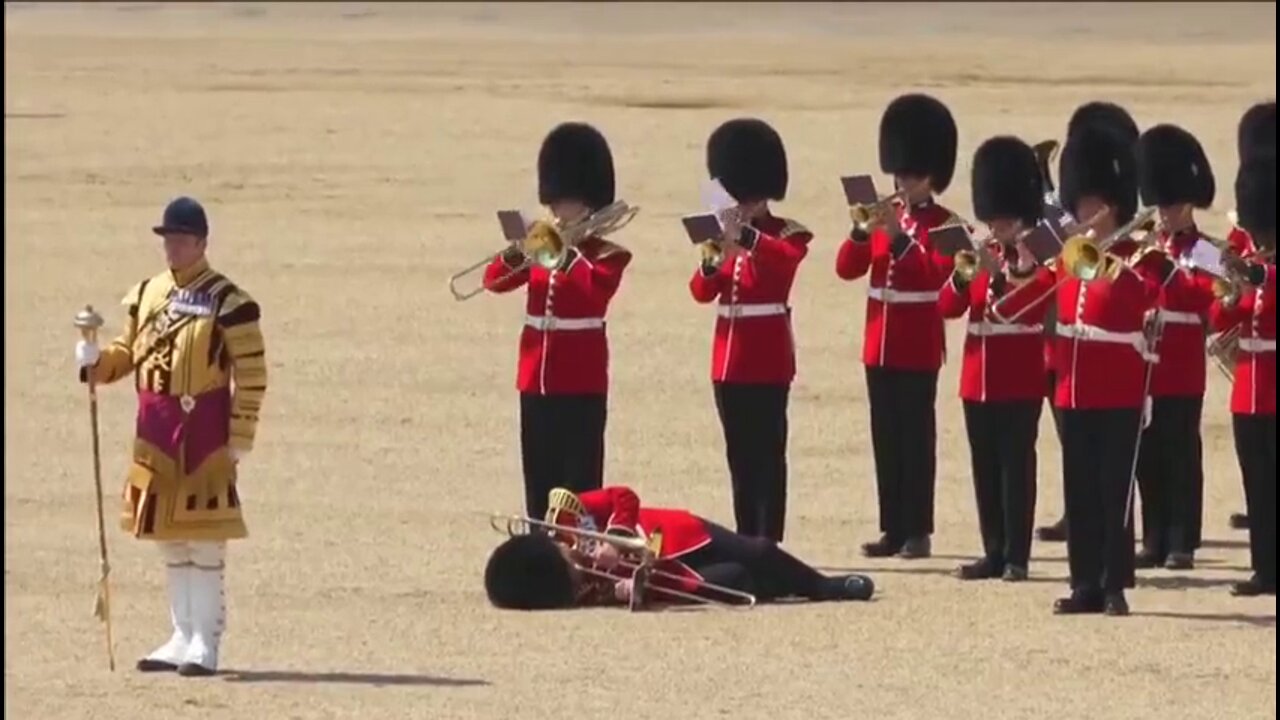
(1056, 532)
(916, 548)
(147, 665)
(1080, 602)
(981, 569)
(1180, 561)
(1253, 587)
(1115, 605)
(884, 547)
(1148, 558)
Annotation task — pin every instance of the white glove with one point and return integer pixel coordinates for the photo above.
(87, 354)
(237, 455)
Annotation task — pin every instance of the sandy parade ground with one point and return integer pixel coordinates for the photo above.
(352, 156)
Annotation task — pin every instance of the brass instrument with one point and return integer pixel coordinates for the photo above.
(968, 263)
(862, 214)
(640, 557)
(1072, 232)
(547, 241)
(1046, 151)
(1222, 349)
(1087, 259)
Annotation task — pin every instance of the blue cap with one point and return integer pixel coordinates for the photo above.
(183, 215)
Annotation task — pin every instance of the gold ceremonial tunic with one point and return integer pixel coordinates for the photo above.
(194, 348)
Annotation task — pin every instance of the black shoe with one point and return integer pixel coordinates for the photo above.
(916, 548)
(1115, 605)
(1080, 603)
(1014, 573)
(1253, 587)
(884, 547)
(148, 665)
(1180, 561)
(849, 587)
(981, 569)
(1056, 532)
(1147, 559)
(194, 670)
(1239, 521)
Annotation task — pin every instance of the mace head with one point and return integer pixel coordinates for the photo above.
(88, 319)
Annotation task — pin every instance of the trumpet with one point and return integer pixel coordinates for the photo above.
(547, 242)
(1228, 284)
(968, 263)
(863, 213)
(640, 557)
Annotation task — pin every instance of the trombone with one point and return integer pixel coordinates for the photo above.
(641, 558)
(1082, 257)
(547, 242)
(863, 213)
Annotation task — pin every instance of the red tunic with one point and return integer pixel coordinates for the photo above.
(563, 346)
(1183, 311)
(904, 327)
(1003, 362)
(617, 507)
(1100, 353)
(753, 337)
(1254, 389)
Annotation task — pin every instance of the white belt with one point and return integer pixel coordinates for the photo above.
(891, 296)
(550, 323)
(1257, 345)
(753, 310)
(990, 329)
(1174, 317)
(1096, 334)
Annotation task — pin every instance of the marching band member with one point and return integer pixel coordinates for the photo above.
(1111, 115)
(1253, 397)
(753, 361)
(903, 340)
(563, 374)
(1003, 376)
(1101, 358)
(535, 572)
(193, 347)
(1256, 133)
(1177, 179)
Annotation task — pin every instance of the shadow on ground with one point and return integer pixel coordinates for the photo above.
(346, 678)
(1266, 621)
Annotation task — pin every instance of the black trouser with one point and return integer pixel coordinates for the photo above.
(754, 565)
(561, 445)
(1256, 450)
(1098, 449)
(1002, 448)
(754, 418)
(904, 437)
(1171, 477)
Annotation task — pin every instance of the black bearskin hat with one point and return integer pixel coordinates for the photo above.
(918, 136)
(1006, 181)
(575, 164)
(528, 572)
(747, 156)
(1106, 114)
(1173, 168)
(1100, 162)
(1256, 194)
(1257, 131)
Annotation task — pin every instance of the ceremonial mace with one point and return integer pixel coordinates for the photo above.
(88, 322)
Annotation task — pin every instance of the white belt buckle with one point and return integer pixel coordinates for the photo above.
(187, 403)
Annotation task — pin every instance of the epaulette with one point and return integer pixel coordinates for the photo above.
(610, 248)
(791, 227)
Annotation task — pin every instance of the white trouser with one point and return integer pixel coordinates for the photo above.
(196, 602)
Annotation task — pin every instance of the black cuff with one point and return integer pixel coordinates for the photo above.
(1167, 269)
(899, 245)
(709, 270)
(84, 375)
(1257, 275)
(748, 237)
(1022, 275)
(859, 235)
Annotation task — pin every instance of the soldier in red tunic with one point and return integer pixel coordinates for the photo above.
(1102, 358)
(1256, 133)
(1252, 312)
(535, 572)
(1113, 116)
(753, 361)
(1176, 178)
(563, 375)
(903, 340)
(1003, 376)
